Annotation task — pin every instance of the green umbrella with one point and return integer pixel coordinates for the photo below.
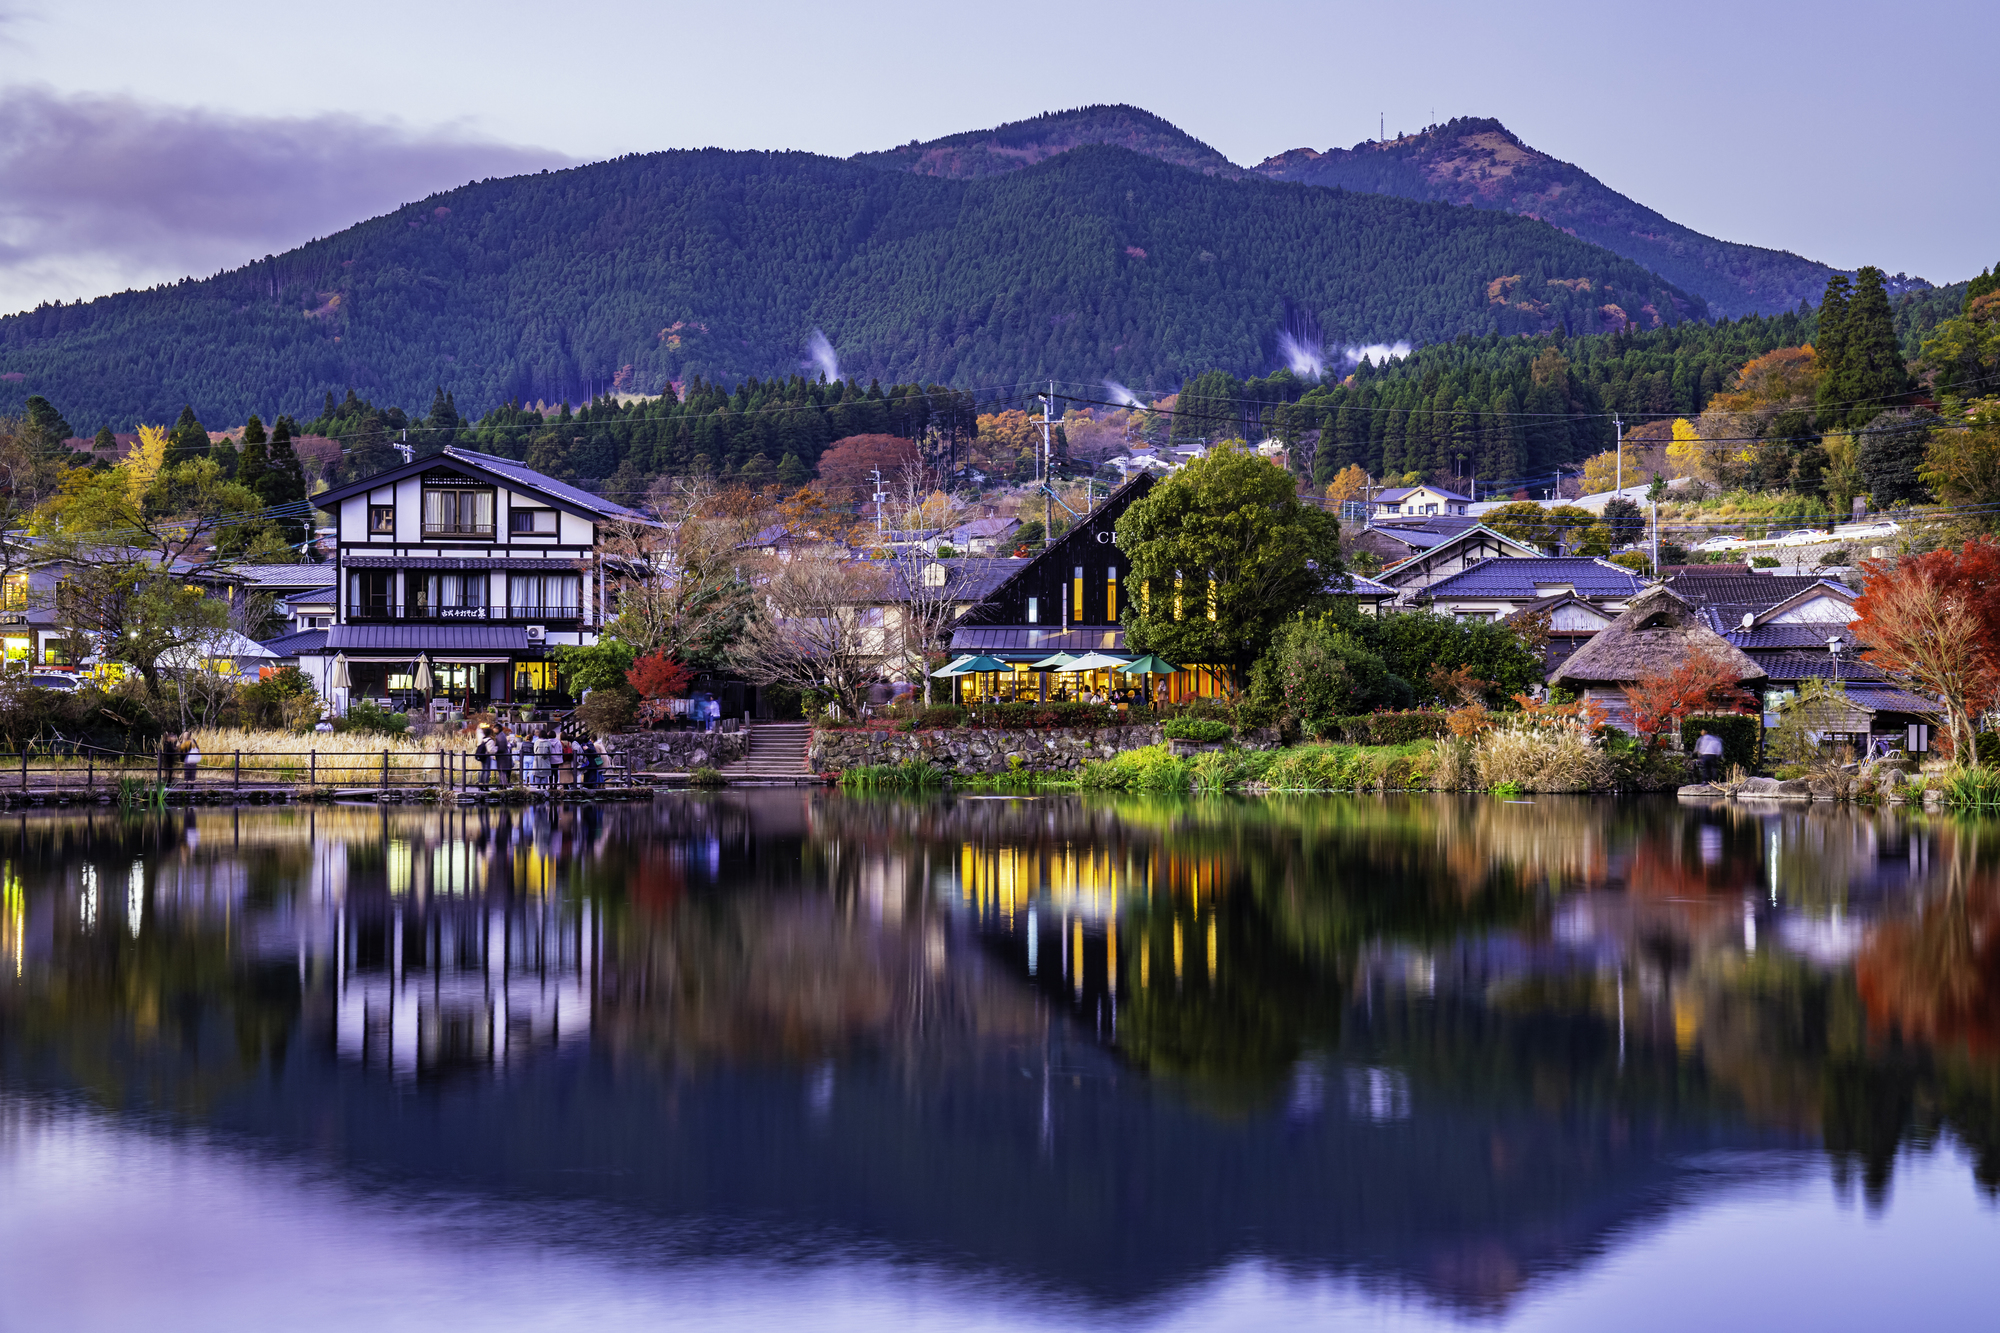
(955, 667)
(1149, 665)
(1060, 662)
(982, 663)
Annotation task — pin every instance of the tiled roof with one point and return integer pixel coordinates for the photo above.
(291, 645)
(1728, 596)
(531, 566)
(968, 578)
(287, 576)
(429, 638)
(1809, 665)
(1517, 577)
(986, 527)
(1773, 637)
(1353, 585)
(527, 476)
(1019, 639)
(1888, 699)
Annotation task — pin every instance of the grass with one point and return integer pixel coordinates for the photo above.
(910, 775)
(282, 756)
(1300, 768)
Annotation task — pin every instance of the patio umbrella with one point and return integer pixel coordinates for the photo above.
(955, 667)
(340, 679)
(1060, 662)
(1095, 662)
(982, 663)
(1149, 665)
(425, 681)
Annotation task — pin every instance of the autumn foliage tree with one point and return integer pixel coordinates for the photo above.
(657, 676)
(1703, 680)
(847, 468)
(1933, 622)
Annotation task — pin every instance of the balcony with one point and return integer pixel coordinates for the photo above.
(377, 613)
(458, 532)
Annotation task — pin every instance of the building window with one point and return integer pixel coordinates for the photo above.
(1076, 595)
(450, 596)
(532, 522)
(456, 513)
(381, 520)
(14, 593)
(1034, 611)
(934, 575)
(545, 596)
(1111, 594)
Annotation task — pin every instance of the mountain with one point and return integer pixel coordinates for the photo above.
(1480, 164)
(1023, 143)
(1473, 162)
(634, 273)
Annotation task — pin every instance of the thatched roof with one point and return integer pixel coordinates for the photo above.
(1658, 629)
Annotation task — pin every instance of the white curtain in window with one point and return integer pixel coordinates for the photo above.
(551, 592)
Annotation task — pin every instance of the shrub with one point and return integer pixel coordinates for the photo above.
(704, 776)
(1636, 561)
(1390, 728)
(1203, 730)
(1150, 768)
(369, 718)
(608, 710)
(1026, 716)
(1763, 562)
(939, 717)
(1742, 737)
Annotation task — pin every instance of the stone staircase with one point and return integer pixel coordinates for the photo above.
(777, 754)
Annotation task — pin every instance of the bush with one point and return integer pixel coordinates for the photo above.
(1203, 730)
(368, 718)
(704, 776)
(1636, 561)
(285, 698)
(1763, 562)
(608, 709)
(1390, 728)
(1039, 716)
(1742, 737)
(939, 717)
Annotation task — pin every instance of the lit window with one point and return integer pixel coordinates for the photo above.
(381, 520)
(1034, 611)
(1076, 594)
(1111, 594)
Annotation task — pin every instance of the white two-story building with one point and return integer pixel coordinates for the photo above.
(472, 561)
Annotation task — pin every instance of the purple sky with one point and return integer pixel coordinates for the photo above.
(141, 142)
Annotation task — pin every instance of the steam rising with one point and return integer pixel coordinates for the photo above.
(1306, 358)
(819, 352)
(1379, 353)
(1121, 395)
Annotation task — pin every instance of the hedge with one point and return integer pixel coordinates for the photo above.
(1028, 716)
(1199, 729)
(1742, 737)
(1390, 728)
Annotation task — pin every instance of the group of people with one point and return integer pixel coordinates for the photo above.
(544, 758)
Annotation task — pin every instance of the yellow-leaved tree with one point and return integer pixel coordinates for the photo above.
(1350, 483)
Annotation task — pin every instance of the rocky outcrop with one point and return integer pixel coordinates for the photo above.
(976, 751)
(676, 751)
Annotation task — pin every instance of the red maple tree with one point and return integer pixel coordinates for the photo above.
(1933, 622)
(657, 676)
(1702, 681)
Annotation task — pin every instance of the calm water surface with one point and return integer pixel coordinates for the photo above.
(756, 1057)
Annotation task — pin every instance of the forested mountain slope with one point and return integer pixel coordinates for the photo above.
(1023, 143)
(649, 269)
(1479, 163)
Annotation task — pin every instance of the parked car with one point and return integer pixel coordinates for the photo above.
(53, 680)
(1803, 537)
(1870, 530)
(1719, 544)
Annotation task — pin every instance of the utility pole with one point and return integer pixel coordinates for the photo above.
(1048, 464)
(880, 496)
(1620, 446)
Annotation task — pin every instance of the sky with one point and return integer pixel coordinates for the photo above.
(140, 143)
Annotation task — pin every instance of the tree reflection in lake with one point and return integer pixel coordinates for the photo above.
(1104, 1045)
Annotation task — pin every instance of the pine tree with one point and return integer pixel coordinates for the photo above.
(187, 441)
(440, 426)
(284, 481)
(791, 472)
(1830, 352)
(253, 463)
(1873, 372)
(104, 449)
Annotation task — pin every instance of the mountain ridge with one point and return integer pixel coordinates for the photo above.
(1472, 162)
(627, 275)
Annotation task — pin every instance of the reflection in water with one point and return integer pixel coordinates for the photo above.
(1109, 1047)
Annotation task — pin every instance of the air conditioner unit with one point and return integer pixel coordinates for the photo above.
(537, 633)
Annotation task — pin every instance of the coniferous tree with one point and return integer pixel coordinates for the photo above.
(188, 440)
(104, 449)
(791, 472)
(1872, 369)
(253, 461)
(1830, 352)
(284, 481)
(440, 425)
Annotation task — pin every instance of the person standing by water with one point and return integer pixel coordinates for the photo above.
(503, 756)
(169, 755)
(531, 761)
(483, 751)
(191, 760)
(1708, 754)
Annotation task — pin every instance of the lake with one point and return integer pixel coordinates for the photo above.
(1064, 1061)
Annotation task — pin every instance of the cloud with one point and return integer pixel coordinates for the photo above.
(101, 193)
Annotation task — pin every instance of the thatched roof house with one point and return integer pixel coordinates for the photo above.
(1658, 630)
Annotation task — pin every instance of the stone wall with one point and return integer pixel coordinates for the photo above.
(676, 751)
(974, 750)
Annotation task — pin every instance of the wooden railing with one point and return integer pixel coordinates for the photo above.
(92, 769)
